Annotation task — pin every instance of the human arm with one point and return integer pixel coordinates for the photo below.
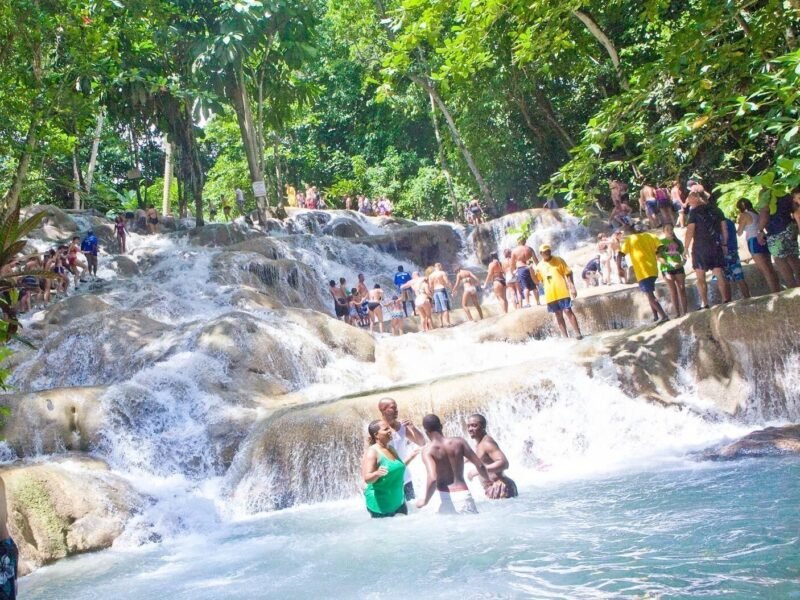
(742, 222)
(412, 455)
(496, 455)
(723, 228)
(455, 285)
(689, 237)
(370, 471)
(571, 285)
(413, 433)
(469, 454)
(763, 219)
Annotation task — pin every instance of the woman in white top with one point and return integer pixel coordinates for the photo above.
(747, 223)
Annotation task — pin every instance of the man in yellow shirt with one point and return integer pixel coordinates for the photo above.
(642, 248)
(559, 289)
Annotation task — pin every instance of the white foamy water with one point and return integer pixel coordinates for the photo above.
(176, 428)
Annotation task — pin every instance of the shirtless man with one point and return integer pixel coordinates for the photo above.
(362, 287)
(470, 296)
(441, 301)
(405, 432)
(339, 300)
(9, 555)
(152, 219)
(493, 457)
(375, 307)
(444, 461)
(521, 258)
(495, 275)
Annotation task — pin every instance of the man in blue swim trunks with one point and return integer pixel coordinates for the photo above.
(559, 289)
(523, 258)
(440, 283)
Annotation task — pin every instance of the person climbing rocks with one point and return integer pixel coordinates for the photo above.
(440, 283)
(90, 247)
(152, 220)
(406, 294)
(642, 248)
(470, 297)
(559, 289)
(498, 279)
(705, 241)
(121, 233)
(375, 307)
(523, 258)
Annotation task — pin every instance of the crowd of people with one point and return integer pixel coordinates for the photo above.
(393, 443)
(42, 276)
(710, 239)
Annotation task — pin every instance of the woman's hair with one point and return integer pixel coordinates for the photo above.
(744, 204)
(373, 429)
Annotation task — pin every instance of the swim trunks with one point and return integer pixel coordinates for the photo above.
(559, 305)
(408, 490)
(648, 284)
(756, 247)
(651, 207)
(460, 502)
(784, 243)
(9, 557)
(340, 309)
(733, 268)
(441, 301)
(525, 280)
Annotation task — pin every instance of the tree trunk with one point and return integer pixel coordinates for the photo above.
(76, 176)
(543, 102)
(605, 41)
(428, 87)
(278, 170)
(135, 161)
(241, 104)
(98, 130)
(12, 195)
(443, 158)
(167, 176)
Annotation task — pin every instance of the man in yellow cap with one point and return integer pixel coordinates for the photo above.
(559, 289)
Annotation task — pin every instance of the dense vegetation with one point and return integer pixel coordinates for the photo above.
(425, 101)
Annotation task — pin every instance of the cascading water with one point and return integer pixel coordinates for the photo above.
(219, 411)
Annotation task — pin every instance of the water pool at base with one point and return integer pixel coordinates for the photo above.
(723, 530)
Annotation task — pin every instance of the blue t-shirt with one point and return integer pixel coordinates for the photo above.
(400, 278)
(89, 245)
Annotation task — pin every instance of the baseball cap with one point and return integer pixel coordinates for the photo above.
(544, 247)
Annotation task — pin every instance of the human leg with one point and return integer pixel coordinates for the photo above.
(722, 283)
(562, 326)
(573, 320)
(672, 286)
(764, 265)
(702, 287)
(680, 283)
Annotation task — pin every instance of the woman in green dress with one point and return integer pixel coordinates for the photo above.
(383, 471)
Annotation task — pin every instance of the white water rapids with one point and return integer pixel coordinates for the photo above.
(169, 394)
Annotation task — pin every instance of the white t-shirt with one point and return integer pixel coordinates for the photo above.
(400, 444)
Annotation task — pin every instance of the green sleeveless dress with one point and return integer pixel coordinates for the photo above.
(385, 495)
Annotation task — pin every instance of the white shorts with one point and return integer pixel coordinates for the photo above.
(456, 503)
